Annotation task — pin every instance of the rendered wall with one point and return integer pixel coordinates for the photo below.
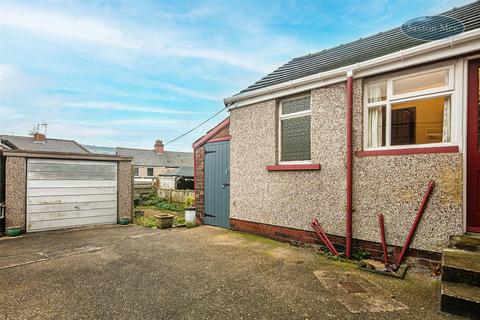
(125, 189)
(391, 184)
(15, 191)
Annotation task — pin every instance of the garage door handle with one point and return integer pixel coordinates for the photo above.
(225, 185)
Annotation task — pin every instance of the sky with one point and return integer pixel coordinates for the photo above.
(125, 73)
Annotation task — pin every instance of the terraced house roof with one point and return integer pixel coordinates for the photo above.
(143, 157)
(363, 49)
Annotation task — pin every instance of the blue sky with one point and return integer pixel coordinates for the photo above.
(124, 73)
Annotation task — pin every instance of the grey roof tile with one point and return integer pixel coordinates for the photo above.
(363, 49)
(50, 145)
(143, 157)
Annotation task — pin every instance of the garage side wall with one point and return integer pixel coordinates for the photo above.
(125, 189)
(391, 184)
(15, 191)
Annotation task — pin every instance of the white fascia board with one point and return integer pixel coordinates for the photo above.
(463, 43)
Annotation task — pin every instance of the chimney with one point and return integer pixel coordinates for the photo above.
(159, 146)
(38, 138)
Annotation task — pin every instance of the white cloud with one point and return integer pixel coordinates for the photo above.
(14, 82)
(189, 92)
(66, 26)
(122, 107)
(152, 122)
(165, 42)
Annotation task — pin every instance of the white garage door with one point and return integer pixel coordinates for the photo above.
(70, 193)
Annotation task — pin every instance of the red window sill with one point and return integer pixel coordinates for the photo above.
(407, 151)
(293, 167)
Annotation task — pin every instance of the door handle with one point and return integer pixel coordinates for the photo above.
(225, 185)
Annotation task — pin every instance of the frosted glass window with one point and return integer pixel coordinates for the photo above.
(295, 105)
(295, 139)
(294, 130)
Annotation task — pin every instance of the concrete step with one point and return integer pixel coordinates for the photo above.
(461, 266)
(460, 299)
(467, 241)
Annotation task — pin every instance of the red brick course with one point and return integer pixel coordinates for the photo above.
(414, 258)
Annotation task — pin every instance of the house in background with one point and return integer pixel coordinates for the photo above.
(345, 133)
(180, 179)
(149, 164)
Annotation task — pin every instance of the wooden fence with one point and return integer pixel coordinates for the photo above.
(174, 195)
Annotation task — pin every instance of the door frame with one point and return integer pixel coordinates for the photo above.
(472, 84)
(216, 219)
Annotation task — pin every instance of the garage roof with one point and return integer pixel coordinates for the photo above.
(363, 49)
(50, 145)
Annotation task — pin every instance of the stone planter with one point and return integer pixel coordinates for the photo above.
(123, 220)
(14, 231)
(190, 216)
(164, 220)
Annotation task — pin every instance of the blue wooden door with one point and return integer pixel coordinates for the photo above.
(217, 184)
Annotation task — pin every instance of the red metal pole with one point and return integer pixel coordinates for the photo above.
(349, 164)
(420, 210)
(382, 238)
(323, 236)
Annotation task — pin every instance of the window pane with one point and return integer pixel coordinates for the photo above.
(377, 92)
(150, 172)
(296, 105)
(135, 172)
(376, 127)
(420, 121)
(424, 81)
(295, 139)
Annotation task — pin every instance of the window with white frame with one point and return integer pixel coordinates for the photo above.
(413, 109)
(294, 130)
(136, 171)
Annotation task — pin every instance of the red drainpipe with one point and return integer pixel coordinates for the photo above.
(349, 163)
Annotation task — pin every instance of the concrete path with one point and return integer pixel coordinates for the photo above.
(130, 272)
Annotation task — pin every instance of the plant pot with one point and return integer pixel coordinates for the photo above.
(164, 220)
(190, 216)
(14, 231)
(123, 220)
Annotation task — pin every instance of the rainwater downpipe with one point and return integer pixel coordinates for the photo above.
(349, 163)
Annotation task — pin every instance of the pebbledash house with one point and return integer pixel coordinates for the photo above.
(348, 132)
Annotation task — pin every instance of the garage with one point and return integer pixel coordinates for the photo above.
(70, 193)
(46, 189)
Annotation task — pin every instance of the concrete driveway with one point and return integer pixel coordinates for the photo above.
(131, 272)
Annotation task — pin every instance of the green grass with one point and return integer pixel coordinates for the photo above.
(149, 222)
(153, 201)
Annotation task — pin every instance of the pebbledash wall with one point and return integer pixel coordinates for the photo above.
(221, 131)
(281, 204)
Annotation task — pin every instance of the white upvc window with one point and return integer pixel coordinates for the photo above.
(413, 109)
(294, 124)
